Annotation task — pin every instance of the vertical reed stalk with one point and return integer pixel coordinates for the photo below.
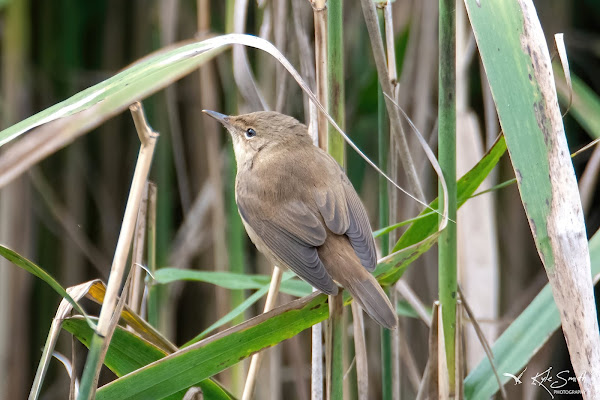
(386, 362)
(383, 145)
(335, 348)
(153, 312)
(390, 44)
(320, 27)
(320, 22)
(400, 141)
(335, 79)
(383, 148)
(362, 365)
(316, 373)
(447, 158)
(335, 147)
(137, 256)
(95, 356)
(255, 361)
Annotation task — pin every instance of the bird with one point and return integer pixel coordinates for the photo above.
(301, 211)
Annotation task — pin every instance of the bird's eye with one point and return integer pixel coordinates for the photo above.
(250, 133)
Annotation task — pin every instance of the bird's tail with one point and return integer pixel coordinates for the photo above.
(366, 291)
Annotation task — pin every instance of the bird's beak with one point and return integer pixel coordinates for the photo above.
(222, 118)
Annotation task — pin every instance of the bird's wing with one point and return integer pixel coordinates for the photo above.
(292, 235)
(359, 230)
(344, 214)
(332, 204)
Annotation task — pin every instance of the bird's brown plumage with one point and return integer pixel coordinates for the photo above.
(301, 211)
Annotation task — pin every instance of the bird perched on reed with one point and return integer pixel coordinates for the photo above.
(301, 211)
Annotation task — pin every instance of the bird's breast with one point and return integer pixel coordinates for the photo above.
(280, 178)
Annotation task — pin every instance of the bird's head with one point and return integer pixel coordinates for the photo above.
(259, 131)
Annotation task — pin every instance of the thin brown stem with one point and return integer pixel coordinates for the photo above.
(137, 259)
(320, 21)
(380, 61)
(105, 326)
(269, 305)
(360, 346)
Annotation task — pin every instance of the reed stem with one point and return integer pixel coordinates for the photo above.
(447, 158)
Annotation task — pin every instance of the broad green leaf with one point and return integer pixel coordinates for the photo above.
(87, 109)
(230, 280)
(518, 99)
(390, 268)
(241, 281)
(97, 291)
(243, 306)
(522, 339)
(517, 63)
(388, 229)
(128, 352)
(425, 229)
(32, 268)
(118, 92)
(206, 358)
(465, 187)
